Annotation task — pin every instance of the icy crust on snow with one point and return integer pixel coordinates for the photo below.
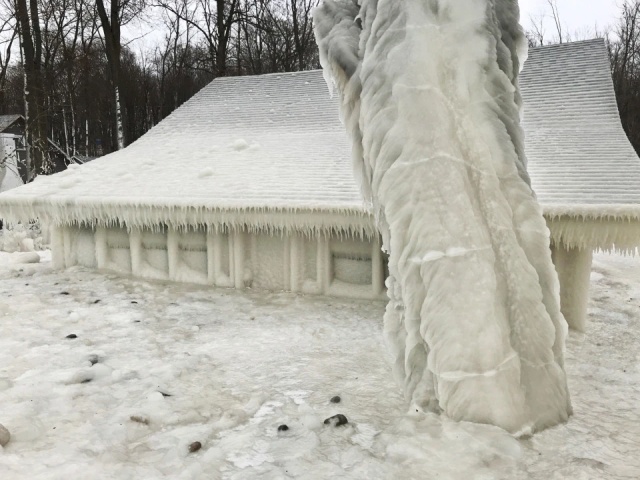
(239, 364)
(433, 110)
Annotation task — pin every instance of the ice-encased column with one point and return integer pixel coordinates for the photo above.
(429, 96)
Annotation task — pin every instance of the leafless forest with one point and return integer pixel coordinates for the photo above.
(86, 90)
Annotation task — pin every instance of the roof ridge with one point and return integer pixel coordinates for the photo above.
(262, 75)
(598, 40)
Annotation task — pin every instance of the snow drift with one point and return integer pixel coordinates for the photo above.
(430, 99)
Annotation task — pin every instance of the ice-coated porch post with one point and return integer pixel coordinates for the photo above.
(238, 259)
(574, 271)
(57, 247)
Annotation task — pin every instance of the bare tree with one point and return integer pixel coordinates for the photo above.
(214, 24)
(120, 13)
(28, 19)
(8, 34)
(555, 16)
(536, 35)
(303, 28)
(625, 68)
(276, 36)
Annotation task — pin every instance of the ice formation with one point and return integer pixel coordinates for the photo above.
(430, 99)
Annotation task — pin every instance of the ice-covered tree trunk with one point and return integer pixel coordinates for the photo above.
(119, 127)
(27, 160)
(430, 98)
(66, 134)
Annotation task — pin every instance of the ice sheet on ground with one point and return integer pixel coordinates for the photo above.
(238, 365)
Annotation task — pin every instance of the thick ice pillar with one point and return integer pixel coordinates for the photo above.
(238, 259)
(57, 247)
(430, 97)
(574, 271)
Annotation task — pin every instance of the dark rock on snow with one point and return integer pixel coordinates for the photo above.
(336, 420)
(5, 436)
(336, 399)
(139, 419)
(194, 447)
(73, 335)
(283, 428)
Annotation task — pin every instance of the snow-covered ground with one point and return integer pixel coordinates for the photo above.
(235, 366)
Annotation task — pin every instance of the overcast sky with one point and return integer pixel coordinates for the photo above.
(576, 15)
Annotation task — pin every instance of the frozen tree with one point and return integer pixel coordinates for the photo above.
(430, 98)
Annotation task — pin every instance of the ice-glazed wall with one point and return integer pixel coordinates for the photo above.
(297, 262)
(344, 267)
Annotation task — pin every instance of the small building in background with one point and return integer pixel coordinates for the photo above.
(13, 152)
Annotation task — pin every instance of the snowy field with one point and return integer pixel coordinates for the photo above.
(226, 369)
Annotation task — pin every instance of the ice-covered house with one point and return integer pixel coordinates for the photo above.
(249, 184)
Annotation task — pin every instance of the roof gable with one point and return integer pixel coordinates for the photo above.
(7, 121)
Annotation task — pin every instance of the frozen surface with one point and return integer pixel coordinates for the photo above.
(430, 99)
(275, 142)
(239, 365)
(22, 238)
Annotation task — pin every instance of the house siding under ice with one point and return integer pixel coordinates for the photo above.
(249, 185)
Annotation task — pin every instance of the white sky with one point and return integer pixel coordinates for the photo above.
(576, 15)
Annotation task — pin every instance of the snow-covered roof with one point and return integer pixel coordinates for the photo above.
(7, 120)
(580, 159)
(251, 150)
(240, 148)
